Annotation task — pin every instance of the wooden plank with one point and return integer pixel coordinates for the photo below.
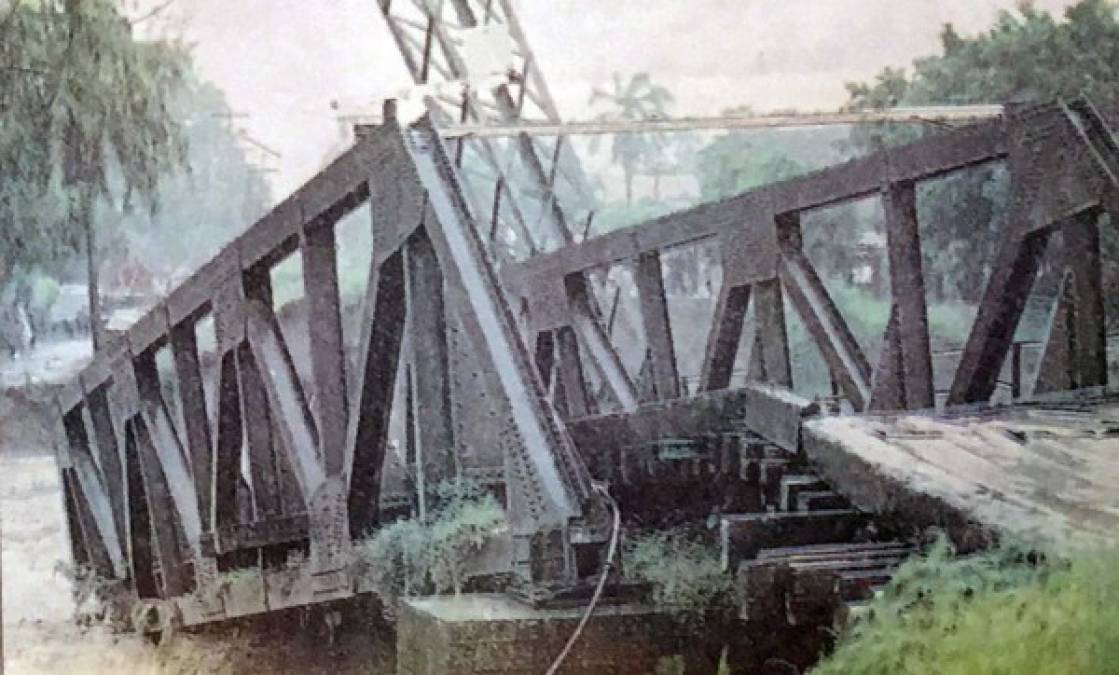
(744, 536)
(328, 359)
(907, 285)
(658, 331)
(981, 473)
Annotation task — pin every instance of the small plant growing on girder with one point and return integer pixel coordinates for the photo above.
(416, 556)
(686, 574)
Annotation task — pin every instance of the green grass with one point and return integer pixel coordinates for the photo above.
(992, 613)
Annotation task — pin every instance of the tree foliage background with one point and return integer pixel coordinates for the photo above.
(109, 145)
(637, 99)
(79, 98)
(1027, 55)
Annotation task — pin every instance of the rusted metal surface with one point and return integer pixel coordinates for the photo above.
(314, 463)
(909, 314)
(513, 372)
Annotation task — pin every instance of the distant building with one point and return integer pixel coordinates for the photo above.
(870, 259)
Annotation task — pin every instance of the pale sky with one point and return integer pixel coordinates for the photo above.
(283, 61)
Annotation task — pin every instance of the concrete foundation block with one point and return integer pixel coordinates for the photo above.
(494, 634)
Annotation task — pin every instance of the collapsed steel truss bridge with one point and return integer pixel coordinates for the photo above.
(270, 460)
(500, 359)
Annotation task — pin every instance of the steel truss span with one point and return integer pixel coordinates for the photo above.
(519, 359)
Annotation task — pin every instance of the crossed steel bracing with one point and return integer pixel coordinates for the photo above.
(532, 191)
(240, 488)
(280, 469)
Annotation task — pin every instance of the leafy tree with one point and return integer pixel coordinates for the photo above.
(216, 195)
(1027, 55)
(736, 161)
(731, 164)
(639, 99)
(81, 99)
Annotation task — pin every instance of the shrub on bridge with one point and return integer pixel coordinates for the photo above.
(686, 574)
(419, 556)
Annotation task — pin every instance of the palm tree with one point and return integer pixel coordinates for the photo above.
(637, 100)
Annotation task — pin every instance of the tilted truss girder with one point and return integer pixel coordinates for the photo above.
(164, 503)
(1063, 168)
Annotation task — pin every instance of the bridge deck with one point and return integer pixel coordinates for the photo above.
(1047, 468)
